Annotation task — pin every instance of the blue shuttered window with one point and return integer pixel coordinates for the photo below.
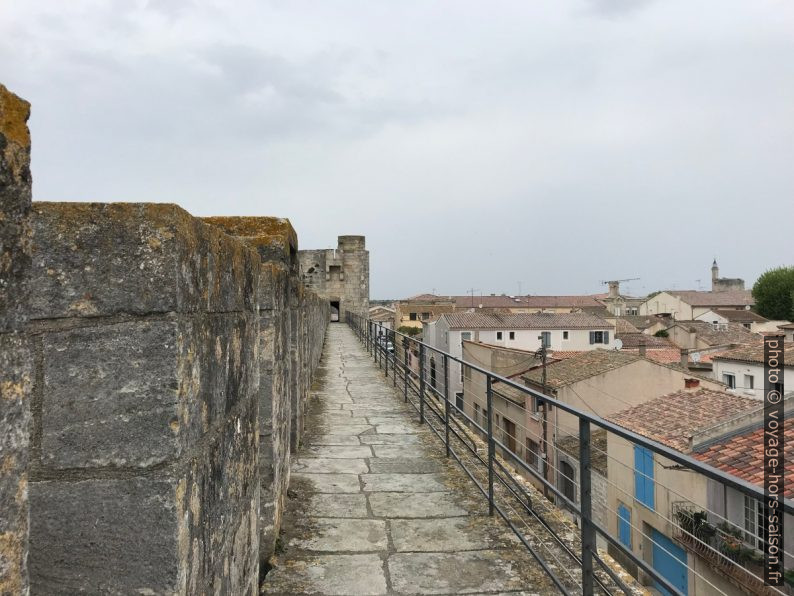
(643, 476)
(624, 525)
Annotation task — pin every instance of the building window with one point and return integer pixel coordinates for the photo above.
(747, 325)
(624, 525)
(477, 413)
(459, 401)
(729, 380)
(567, 485)
(412, 316)
(498, 336)
(749, 382)
(545, 339)
(753, 522)
(644, 486)
(509, 435)
(565, 335)
(599, 337)
(533, 453)
(511, 335)
(425, 316)
(464, 336)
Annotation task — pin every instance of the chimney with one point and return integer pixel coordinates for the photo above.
(684, 359)
(691, 383)
(614, 289)
(642, 348)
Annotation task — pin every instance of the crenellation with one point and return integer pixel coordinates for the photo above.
(284, 365)
(16, 371)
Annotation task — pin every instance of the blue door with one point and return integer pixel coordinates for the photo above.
(669, 560)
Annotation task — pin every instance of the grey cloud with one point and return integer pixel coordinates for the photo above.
(617, 8)
(539, 147)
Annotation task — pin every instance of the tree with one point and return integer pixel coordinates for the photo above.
(774, 294)
(410, 330)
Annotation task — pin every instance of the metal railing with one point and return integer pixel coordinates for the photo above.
(406, 358)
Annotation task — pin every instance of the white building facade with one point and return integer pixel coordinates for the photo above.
(523, 331)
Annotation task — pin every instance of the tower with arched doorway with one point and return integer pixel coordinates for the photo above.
(340, 275)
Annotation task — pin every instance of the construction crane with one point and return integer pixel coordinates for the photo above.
(617, 281)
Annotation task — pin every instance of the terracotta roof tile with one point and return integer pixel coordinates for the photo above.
(581, 366)
(753, 353)
(717, 299)
(740, 315)
(492, 320)
(743, 456)
(730, 333)
(672, 419)
(503, 301)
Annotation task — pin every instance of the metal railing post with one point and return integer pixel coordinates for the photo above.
(394, 362)
(491, 446)
(586, 507)
(385, 343)
(446, 401)
(405, 376)
(421, 383)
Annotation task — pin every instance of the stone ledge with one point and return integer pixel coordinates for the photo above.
(99, 259)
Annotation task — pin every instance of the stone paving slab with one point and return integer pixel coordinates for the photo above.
(402, 505)
(449, 535)
(335, 440)
(401, 451)
(330, 465)
(397, 429)
(411, 483)
(332, 483)
(341, 535)
(339, 451)
(381, 439)
(334, 575)
(337, 428)
(455, 573)
(413, 465)
(339, 505)
(375, 507)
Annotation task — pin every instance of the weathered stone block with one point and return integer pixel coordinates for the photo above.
(16, 379)
(94, 259)
(111, 395)
(186, 529)
(15, 196)
(274, 238)
(133, 519)
(139, 393)
(15, 357)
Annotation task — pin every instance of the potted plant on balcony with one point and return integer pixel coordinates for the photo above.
(695, 524)
(730, 546)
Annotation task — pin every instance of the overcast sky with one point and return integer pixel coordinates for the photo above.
(555, 143)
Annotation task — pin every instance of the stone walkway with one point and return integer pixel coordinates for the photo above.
(376, 508)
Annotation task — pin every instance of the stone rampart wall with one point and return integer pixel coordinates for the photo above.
(144, 444)
(155, 371)
(292, 329)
